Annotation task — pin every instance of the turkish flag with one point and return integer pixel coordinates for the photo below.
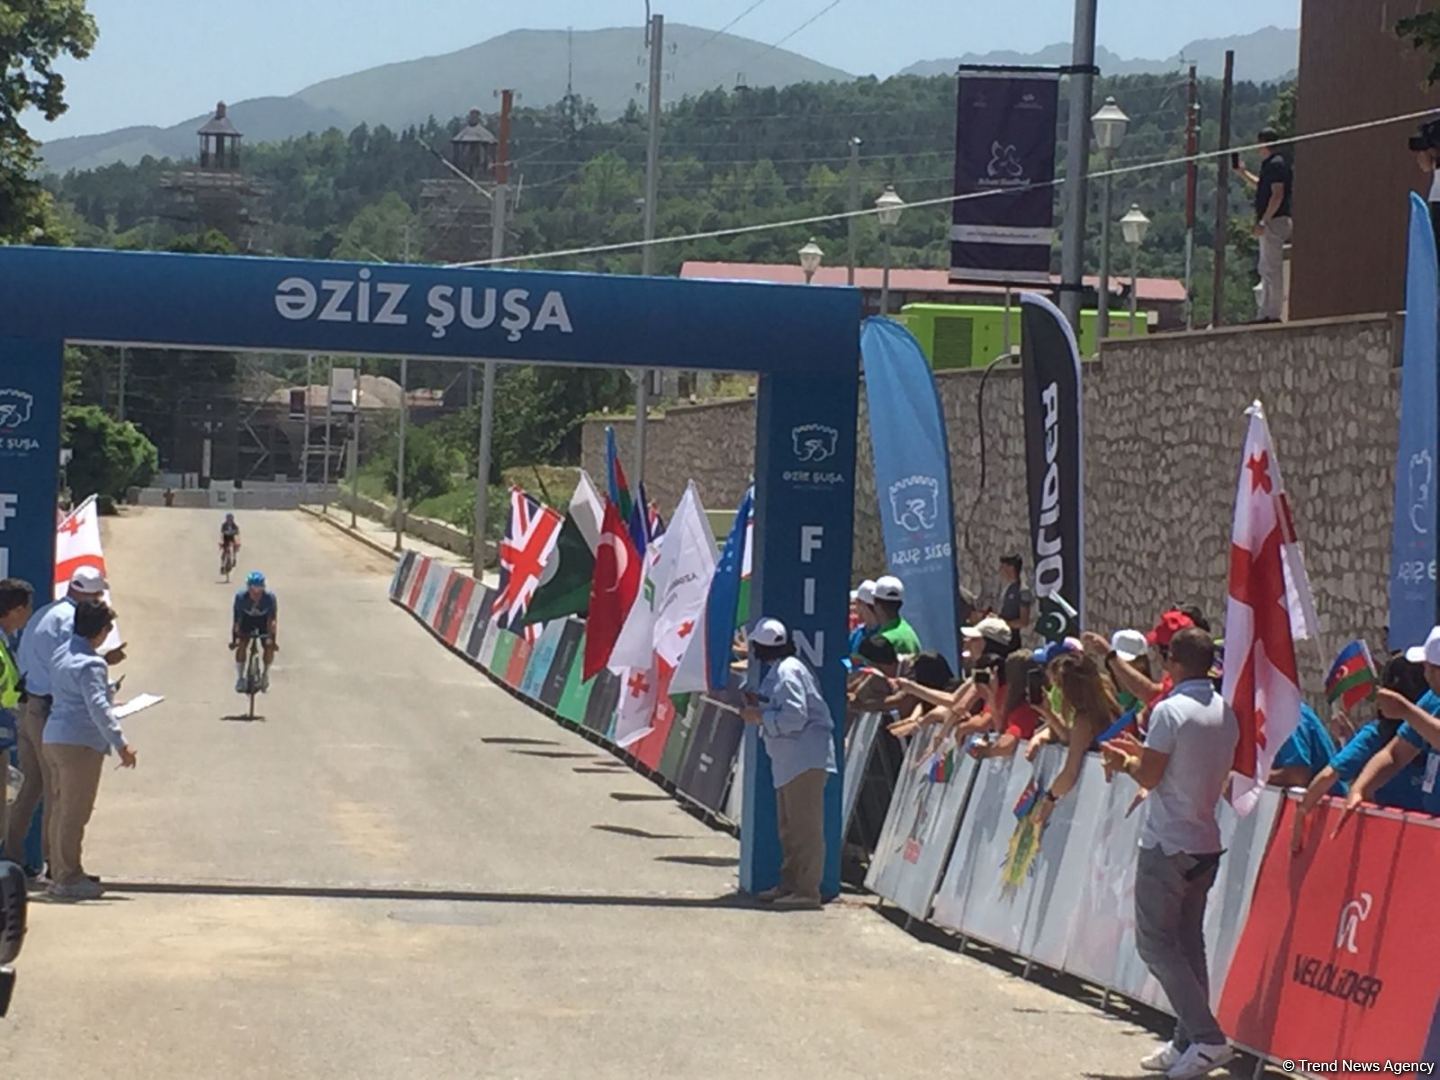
(612, 591)
(1262, 683)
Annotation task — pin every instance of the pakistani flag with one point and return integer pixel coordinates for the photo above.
(565, 582)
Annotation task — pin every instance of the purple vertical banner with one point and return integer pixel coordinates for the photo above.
(1005, 160)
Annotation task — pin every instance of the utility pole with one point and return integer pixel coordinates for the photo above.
(1077, 162)
(1192, 188)
(854, 222)
(329, 414)
(400, 455)
(305, 445)
(487, 387)
(120, 407)
(1222, 192)
(655, 39)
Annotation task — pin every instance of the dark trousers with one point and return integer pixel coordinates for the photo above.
(1170, 894)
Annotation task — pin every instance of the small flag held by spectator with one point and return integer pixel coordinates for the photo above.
(943, 767)
(1352, 679)
(1028, 798)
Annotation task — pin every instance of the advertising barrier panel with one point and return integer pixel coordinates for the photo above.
(1337, 959)
(542, 656)
(519, 660)
(681, 732)
(472, 627)
(711, 753)
(604, 696)
(404, 567)
(575, 697)
(417, 582)
(572, 633)
(859, 741)
(920, 827)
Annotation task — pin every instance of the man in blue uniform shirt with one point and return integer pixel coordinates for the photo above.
(256, 612)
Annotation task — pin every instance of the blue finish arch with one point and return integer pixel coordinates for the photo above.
(803, 342)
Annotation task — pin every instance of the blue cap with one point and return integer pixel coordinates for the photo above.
(256, 578)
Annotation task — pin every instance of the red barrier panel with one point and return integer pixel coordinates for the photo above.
(417, 582)
(519, 660)
(1340, 957)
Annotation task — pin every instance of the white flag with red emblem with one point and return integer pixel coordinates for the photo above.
(1270, 607)
(77, 545)
(665, 617)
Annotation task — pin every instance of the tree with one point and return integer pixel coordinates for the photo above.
(33, 34)
(107, 456)
(386, 231)
(1423, 30)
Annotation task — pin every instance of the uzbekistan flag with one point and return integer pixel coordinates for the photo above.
(1352, 679)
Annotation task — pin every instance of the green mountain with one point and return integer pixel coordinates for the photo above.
(606, 67)
(1268, 55)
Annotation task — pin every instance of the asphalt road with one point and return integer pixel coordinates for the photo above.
(402, 872)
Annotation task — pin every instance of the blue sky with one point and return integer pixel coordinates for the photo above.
(160, 61)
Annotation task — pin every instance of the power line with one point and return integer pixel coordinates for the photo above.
(724, 28)
(818, 219)
(775, 45)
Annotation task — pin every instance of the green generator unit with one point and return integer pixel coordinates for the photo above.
(972, 335)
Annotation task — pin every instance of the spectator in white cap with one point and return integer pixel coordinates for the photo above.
(49, 628)
(990, 636)
(1420, 723)
(862, 604)
(798, 732)
(1128, 647)
(889, 599)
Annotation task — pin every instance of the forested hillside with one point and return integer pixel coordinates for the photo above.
(729, 158)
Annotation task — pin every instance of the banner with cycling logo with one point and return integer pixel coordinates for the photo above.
(1003, 220)
(1054, 465)
(912, 481)
(1335, 960)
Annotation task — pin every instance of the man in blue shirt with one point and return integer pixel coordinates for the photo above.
(81, 731)
(1419, 731)
(1302, 756)
(48, 628)
(798, 733)
(256, 612)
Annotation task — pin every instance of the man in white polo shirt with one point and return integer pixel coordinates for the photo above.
(1184, 763)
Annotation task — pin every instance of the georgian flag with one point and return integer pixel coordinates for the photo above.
(1270, 607)
(77, 545)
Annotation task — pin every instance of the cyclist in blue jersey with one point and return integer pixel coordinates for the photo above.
(256, 611)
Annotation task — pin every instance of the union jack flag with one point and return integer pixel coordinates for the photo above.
(530, 538)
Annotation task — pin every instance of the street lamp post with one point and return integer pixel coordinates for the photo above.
(1109, 125)
(889, 206)
(1134, 225)
(810, 258)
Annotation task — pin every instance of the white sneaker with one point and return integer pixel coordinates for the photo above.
(80, 890)
(1162, 1059)
(1199, 1060)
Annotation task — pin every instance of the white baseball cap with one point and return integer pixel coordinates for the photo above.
(88, 581)
(1429, 653)
(1129, 645)
(889, 588)
(865, 592)
(769, 632)
(991, 628)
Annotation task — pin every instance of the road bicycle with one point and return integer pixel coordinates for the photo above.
(254, 678)
(227, 559)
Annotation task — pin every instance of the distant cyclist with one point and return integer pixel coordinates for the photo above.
(229, 541)
(256, 611)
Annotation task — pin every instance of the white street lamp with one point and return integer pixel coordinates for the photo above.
(1134, 226)
(810, 258)
(890, 206)
(1109, 125)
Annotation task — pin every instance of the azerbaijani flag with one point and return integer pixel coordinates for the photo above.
(618, 485)
(1352, 679)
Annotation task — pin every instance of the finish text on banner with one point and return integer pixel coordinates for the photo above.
(1005, 150)
(1054, 465)
(1413, 550)
(912, 481)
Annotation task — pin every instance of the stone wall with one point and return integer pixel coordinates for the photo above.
(1164, 423)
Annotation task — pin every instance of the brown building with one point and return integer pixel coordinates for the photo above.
(1350, 204)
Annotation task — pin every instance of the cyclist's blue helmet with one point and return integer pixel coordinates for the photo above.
(256, 580)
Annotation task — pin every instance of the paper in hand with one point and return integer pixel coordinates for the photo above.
(136, 704)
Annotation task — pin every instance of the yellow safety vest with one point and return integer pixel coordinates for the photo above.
(9, 679)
